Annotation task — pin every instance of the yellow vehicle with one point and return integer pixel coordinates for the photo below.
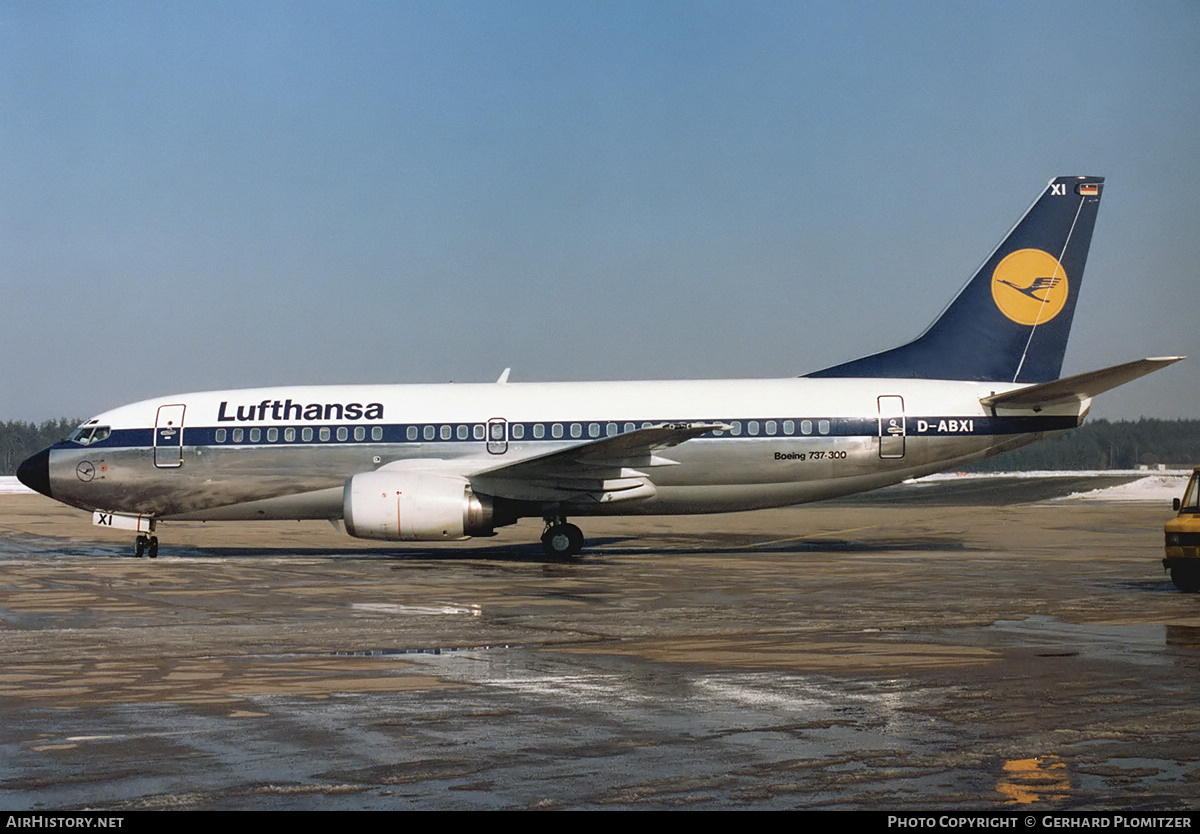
(1183, 538)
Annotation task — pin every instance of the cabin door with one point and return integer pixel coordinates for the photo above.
(168, 437)
(892, 428)
(497, 435)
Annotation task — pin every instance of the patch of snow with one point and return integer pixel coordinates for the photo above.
(1151, 485)
(9, 485)
(1157, 488)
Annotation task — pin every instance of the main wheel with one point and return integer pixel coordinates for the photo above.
(152, 550)
(562, 541)
(1186, 578)
(139, 546)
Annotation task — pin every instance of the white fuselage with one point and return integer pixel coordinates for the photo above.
(287, 452)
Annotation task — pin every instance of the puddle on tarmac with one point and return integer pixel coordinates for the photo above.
(1039, 779)
(1141, 643)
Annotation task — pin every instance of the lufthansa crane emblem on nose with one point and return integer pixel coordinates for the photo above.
(85, 470)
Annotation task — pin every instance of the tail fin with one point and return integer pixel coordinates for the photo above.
(1011, 321)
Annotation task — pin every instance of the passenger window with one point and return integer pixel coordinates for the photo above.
(463, 432)
(477, 431)
(611, 429)
(377, 432)
(737, 428)
(323, 434)
(823, 427)
(752, 427)
(769, 428)
(806, 426)
(517, 430)
(789, 427)
(576, 430)
(630, 427)
(220, 436)
(342, 434)
(272, 435)
(593, 429)
(430, 432)
(306, 434)
(556, 431)
(447, 432)
(255, 435)
(360, 433)
(237, 435)
(289, 434)
(412, 433)
(539, 430)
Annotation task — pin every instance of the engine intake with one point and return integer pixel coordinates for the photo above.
(414, 506)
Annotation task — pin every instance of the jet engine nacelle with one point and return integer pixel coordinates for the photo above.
(414, 506)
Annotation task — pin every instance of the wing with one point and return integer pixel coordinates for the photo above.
(604, 470)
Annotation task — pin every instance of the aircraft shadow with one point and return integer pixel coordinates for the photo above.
(595, 552)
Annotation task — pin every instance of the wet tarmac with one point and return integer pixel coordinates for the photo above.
(859, 655)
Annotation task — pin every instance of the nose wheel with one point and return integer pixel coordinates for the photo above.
(145, 546)
(561, 539)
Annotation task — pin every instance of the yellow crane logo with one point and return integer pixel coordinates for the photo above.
(1030, 287)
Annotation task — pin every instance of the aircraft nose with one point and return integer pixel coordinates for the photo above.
(34, 472)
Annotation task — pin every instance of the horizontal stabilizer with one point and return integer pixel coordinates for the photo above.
(1077, 388)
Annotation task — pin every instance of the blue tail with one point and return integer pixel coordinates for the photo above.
(1011, 321)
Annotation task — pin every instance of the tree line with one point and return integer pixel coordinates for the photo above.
(1098, 444)
(19, 440)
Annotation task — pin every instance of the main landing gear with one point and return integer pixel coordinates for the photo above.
(561, 540)
(145, 545)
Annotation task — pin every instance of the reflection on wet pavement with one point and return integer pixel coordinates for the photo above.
(815, 658)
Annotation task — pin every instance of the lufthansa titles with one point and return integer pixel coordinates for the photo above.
(292, 411)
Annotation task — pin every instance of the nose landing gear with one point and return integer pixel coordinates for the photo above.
(145, 545)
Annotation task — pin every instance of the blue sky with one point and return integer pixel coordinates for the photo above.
(219, 195)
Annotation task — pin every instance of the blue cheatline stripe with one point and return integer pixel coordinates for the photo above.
(399, 433)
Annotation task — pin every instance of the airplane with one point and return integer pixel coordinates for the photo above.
(440, 462)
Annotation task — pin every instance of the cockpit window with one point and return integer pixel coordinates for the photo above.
(87, 435)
